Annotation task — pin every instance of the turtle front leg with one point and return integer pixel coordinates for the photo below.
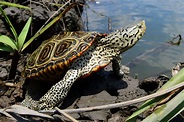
(55, 96)
(32, 95)
(119, 69)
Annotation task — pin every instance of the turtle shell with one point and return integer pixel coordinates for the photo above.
(53, 57)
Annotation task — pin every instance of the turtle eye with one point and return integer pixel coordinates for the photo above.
(139, 26)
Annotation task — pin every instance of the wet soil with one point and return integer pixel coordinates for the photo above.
(98, 89)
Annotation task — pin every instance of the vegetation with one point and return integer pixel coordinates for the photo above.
(18, 45)
(14, 45)
(164, 107)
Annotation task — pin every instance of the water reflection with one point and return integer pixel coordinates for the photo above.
(164, 20)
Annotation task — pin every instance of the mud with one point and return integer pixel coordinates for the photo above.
(98, 89)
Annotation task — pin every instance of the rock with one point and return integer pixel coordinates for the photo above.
(3, 73)
(152, 84)
(98, 116)
(4, 102)
(101, 98)
(131, 92)
(116, 118)
(4, 68)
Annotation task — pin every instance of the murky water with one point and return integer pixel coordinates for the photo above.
(164, 20)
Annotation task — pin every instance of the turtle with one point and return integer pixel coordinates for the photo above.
(75, 55)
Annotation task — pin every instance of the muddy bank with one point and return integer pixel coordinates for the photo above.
(98, 89)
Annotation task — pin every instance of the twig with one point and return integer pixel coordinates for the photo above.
(2, 111)
(8, 84)
(39, 3)
(66, 115)
(173, 41)
(55, 14)
(48, 25)
(121, 104)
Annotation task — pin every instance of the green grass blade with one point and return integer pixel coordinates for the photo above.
(147, 105)
(178, 78)
(14, 5)
(23, 34)
(47, 26)
(5, 48)
(7, 41)
(10, 24)
(179, 112)
(168, 110)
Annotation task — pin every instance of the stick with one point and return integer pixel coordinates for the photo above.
(66, 115)
(121, 104)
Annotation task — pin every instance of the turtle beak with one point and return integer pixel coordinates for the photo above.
(140, 28)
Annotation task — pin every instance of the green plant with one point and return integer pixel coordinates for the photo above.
(17, 45)
(14, 5)
(169, 108)
(12, 45)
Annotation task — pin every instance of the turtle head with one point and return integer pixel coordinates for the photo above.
(125, 38)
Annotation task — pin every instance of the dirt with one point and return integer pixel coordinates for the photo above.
(98, 89)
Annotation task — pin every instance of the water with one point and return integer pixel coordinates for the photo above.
(164, 20)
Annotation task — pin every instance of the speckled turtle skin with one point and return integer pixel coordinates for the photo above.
(96, 54)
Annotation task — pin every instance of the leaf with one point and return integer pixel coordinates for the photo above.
(14, 5)
(23, 34)
(167, 111)
(10, 24)
(2, 111)
(48, 25)
(18, 109)
(5, 48)
(178, 78)
(8, 41)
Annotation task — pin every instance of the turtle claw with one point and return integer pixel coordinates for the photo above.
(124, 69)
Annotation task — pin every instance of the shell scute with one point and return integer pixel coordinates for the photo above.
(55, 55)
(63, 47)
(45, 53)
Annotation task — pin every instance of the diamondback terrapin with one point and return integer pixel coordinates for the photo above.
(77, 54)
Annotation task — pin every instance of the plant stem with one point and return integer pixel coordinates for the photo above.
(14, 63)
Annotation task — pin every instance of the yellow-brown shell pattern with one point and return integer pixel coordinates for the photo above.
(53, 57)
